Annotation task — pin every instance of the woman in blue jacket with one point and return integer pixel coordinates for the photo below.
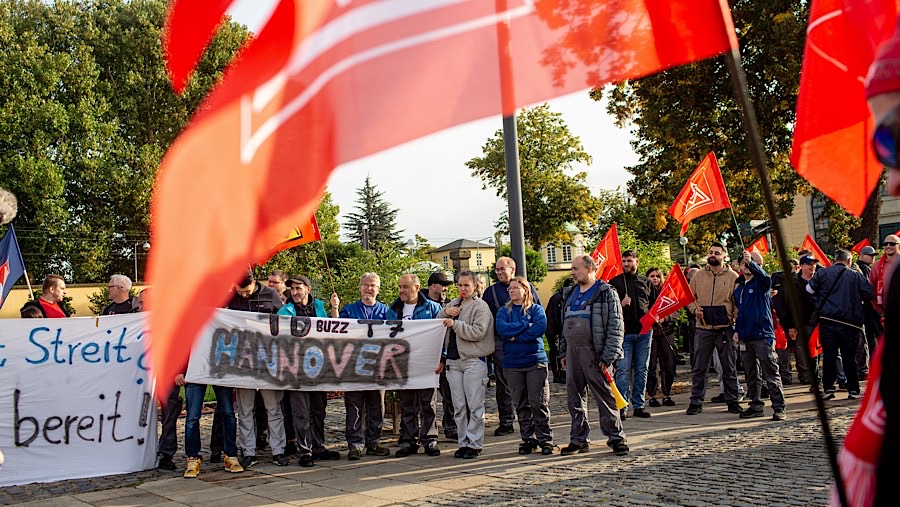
(521, 324)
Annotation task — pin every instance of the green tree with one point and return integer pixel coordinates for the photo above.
(552, 196)
(534, 264)
(375, 213)
(86, 115)
(680, 115)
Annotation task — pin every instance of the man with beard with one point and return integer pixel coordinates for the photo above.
(437, 292)
(637, 295)
(881, 271)
(712, 287)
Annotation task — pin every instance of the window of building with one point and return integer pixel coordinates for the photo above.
(551, 254)
(478, 259)
(446, 264)
(579, 248)
(567, 253)
(820, 221)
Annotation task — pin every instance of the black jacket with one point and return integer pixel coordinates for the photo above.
(841, 298)
(643, 294)
(36, 304)
(262, 300)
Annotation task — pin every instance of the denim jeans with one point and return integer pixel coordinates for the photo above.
(637, 357)
(193, 394)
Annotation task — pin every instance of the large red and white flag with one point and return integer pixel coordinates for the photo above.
(832, 147)
(326, 83)
(674, 294)
(608, 255)
(811, 245)
(761, 245)
(703, 193)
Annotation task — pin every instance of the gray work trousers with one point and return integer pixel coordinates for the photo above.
(467, 379)
(530, 391)
(364, 407)
(309, 420)
(759, 356)
(705, 342)
(417, 416)
(247, 420)
(583, 373)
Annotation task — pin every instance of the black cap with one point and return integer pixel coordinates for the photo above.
(808, 259)
(439, 277)
(298, 279)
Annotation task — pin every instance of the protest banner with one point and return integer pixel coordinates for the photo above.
(241, 349)
(75, 399)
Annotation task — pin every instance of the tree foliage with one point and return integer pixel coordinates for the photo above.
(86, 115)
(375, 212)
(552, 196)
(680, 115)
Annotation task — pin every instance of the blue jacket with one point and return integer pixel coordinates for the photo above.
(288, 308)
(425, 309)
(523, 343)
(754, 305)
(840, 300)
(357, 310)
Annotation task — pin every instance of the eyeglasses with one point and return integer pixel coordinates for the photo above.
(113, 286)
(884, 140)
(890, 243)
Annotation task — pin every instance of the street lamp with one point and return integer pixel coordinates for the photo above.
(146, 247)
(683, 242)
(365, 237)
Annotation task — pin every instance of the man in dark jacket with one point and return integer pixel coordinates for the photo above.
(873, 320)
(554, 331)
(637, 295)
(755, 335)
(437, 292)
(121, 300)
(839, 293)
(50, 303)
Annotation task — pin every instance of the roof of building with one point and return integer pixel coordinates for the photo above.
(462, 243)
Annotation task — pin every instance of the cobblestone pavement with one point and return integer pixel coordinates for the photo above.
(711, 459)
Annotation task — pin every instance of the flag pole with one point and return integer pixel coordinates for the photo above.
(28, 281)
(737, 228)
(758, 155)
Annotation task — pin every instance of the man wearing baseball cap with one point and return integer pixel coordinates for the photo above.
(437, 292)
(437, 287)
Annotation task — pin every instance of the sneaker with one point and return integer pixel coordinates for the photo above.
(166, 463)
(547, 449)
(574, 448)
(377, 450)
(669, 402)
(619, 448)
(694, 409)
(751, 412)
(432, 449)
(639, 412)
(504, 429)
(193, 468)
(527, 447)
(718, 399)
(247, 461)
(852, 395)
(471, 453)
(354, 454)
(233, 465)
(734, 407)
(654, 403)
(623, 413)
(779, 415)
(829, 395)
(461, 452)
(281, 460)
(306, 461)
(326, 455)
(215, 457)
(406, 449)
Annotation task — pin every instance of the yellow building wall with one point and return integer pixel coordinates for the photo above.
(79, 294)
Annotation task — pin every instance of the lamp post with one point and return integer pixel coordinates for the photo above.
(683, 242)
(365, 237)
(146, 247)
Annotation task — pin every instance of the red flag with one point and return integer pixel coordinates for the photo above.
(608, 255)
(298, 236)
(674, 295)
(815, 345)
(703, 193)
(813, 247)
(761, 245)
(326, 83)
(780, 338)
(834, 127)
(859, 246)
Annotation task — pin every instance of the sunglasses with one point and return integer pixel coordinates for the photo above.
(885, 139)
(890, 243)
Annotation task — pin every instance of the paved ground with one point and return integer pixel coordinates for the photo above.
(714, 458)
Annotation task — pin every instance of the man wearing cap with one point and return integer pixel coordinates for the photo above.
(308, 407)
(437, 292)
(365, 406)
(881, 271)
(808, 265)
(873, 319)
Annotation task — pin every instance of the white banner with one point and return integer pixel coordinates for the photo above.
(242, 349)
(75, 399)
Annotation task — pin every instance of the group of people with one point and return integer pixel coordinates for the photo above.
(594, 335)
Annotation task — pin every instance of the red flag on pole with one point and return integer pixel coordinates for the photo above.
(674, 295)
(815, 345)
(813, 247)
(761, 245)
(834, 127)
(859, 246)
(301, 235)
(703, 193)
(325, 83)
(608, 255)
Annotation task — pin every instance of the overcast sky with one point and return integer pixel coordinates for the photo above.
(428, 181)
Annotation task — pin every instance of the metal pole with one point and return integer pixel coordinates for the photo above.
(758, 155)
(135, 263)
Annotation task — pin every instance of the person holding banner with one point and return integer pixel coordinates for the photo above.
(662, 351)
(417, 421)
(50, 303)
(755, 335)
(521, 324)
(368, 405)
(469, 340)
(592, 336)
